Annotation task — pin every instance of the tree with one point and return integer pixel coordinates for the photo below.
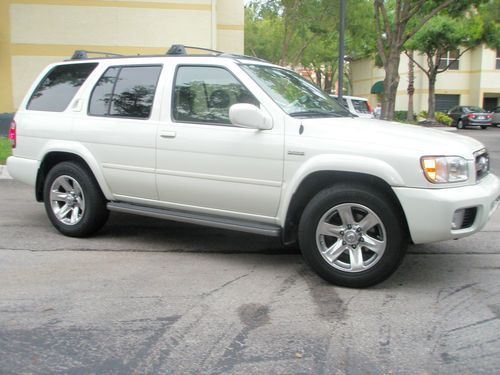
(305, 33)
(440, 36)
(396, 21)
(453, 31)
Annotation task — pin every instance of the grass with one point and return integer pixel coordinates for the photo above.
(5, 149)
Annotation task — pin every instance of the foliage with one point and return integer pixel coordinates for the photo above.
(305, 33)
(443, 118)
(396, 22)
(422, 114)
(449, 31)
(5, 149)
(400, 116)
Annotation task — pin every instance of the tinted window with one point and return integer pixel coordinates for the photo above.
(360, 106)
(125, 92)
(101, 95)
(59, 87)
(204, 94)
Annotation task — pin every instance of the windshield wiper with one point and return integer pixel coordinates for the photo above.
(317, 114)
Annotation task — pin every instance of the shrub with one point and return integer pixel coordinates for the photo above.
(443, 118)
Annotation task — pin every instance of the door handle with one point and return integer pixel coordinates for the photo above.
(169, 134)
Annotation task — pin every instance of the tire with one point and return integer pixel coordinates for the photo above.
(355, 250)
(484, 127)
(73, 200)
(460, 124)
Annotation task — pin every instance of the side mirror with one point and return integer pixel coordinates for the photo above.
(249, 116)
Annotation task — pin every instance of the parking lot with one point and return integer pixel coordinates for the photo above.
(156, 297)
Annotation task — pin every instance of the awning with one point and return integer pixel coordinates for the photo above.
(377, 88)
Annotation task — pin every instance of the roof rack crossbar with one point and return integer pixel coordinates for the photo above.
(180, 49)
(81, 54)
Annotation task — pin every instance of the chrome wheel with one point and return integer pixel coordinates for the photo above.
(351, 237)
(67, 200)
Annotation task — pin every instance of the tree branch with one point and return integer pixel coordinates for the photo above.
(378, 39)
(452, 61)
(425, 19)
(416, 63)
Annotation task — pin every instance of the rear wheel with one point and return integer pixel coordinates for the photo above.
(352, 236)
(484, 127)
(73, 200)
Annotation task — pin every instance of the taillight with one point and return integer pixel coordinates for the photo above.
(489, 116)
(12, 134)
(471, 115)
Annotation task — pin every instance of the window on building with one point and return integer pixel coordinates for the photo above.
(126, 91)
(57, 89)
(498, 59)
(204, 94)
(451, 59)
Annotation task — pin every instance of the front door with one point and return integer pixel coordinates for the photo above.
(206, 164)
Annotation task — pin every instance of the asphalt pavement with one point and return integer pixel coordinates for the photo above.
(155, 297)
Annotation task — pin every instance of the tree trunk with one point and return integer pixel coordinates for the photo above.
(411, 87)
(319, 75)
(391, 83)
(432, 97)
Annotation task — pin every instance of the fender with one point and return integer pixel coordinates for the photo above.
(80, 150)
(335, 163)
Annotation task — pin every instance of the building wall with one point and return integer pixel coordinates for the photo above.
(476, 78)
(34, 33)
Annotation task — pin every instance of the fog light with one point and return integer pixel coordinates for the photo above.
(458, 219)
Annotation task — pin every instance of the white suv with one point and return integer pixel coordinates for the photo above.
(233, 142)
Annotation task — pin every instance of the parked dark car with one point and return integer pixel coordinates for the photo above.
(469, 115)
(496, 116)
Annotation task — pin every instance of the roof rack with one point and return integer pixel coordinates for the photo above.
(174, 50)
(180, 49)
(81, 54)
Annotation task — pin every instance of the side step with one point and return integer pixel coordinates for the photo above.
(195, 218)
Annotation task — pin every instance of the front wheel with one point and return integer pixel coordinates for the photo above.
(460, 124)
(73, 200)
(352, 236)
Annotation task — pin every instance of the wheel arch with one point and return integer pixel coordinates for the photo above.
(320, 180)
(54, 157)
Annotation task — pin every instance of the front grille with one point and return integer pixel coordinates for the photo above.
(482, 162)
(469, 217)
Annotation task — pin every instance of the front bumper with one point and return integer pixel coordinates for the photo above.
(429, 212)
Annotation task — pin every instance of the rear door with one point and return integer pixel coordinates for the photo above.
(119, 128)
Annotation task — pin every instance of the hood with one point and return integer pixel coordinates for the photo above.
(391, 136)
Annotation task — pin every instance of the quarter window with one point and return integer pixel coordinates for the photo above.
(126, 91)
(451, 59)
(59, 86)
(204, 94)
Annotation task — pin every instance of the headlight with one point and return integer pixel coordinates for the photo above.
(445, 169)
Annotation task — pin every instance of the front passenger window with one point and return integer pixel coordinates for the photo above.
(204, 94)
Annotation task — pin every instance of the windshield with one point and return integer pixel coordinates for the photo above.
(295, 95)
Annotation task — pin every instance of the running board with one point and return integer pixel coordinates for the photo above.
(200, 219)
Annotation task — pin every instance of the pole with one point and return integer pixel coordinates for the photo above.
(341, 50)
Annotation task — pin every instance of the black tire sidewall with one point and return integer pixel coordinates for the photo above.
(95, 214)
(378, 203)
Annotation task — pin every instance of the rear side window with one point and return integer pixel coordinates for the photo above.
(125, 91)
(59, 86)
(360, 106)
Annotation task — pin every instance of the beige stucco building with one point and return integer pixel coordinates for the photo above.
(34, 33)
(474, 80)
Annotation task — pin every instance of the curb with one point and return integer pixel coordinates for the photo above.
(4, 174)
